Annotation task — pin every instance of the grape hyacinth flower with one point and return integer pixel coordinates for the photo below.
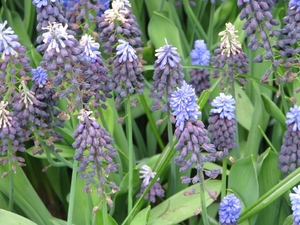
(230, 56)
(155, 190)
(167, 75)
(200, 55)
(127, 78)
(184, 106)
(12, 138)
(289, 156)
(230, 210)
(39, 76)
(259, 22)
(95, 73)
(48, 11)
(295, 201)
(190, 133)
(13, 62)
(119, 23)
(95, 153)
(222, 123)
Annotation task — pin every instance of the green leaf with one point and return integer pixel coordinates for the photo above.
(274, 111)
(180, 207)
(67, 152)
(25, 197)
(142, 217)
(268, 178)
(161, 28)
(243, 180)
(9, 218)
(244, 108)
(288, 220)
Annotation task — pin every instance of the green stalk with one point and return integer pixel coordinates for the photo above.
(104, 210)
(224, 176)
(210, 27)
(173, 173)
(130, 154)
(72, 193)
(202, 197)
(11, 180)
(190, 12)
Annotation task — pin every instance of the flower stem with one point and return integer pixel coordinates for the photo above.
(72, 193)
(130, 152)
(224, 176)
(173, 173)
(12, 178)
(202, 197)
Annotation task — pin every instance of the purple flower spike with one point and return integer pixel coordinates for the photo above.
(183, 103)
(125, 52)
(8, 41)
(39, 76)
(224, 105)
(295, 201)
(200, 55)
(230, 210)
(293, 117)
(295, 3)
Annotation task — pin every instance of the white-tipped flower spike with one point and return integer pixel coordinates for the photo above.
(229, 42)
(90, 47)
(8, 41)
(56, 35)
(293, 117)
(118, 12)
(125, 52)
(4, 115)
(224, 105)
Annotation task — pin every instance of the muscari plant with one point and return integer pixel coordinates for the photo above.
(149, 112)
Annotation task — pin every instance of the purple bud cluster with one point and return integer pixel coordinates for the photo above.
(127, 78)
(191, 140)
(48, 11)
(94, 151)
(167, 75)
(119, 22)
(259, 19)
(222, 123)
(200, 55)
(236, 64)
(289, 156)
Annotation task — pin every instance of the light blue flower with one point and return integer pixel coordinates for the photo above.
(293, 116)
(8, 41)
(295, 3)
(295, 201)
(167, 54)
(39, 76)
(224, 105)
(104, 6)
(40, 3)
(125, 52)
(183, 103)
(200, 55)
(90, 48)
(230, 210)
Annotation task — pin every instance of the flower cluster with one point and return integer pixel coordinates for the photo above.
(259, 19)
(183, 105)
(97, 82)
(94, 152)
(295, 201)
(126, 78)
(230, 56)
(230, 210)
(119, 23)
(200, 55)
(167, 75)
(289, 158)
(155, 190)
(222, 123)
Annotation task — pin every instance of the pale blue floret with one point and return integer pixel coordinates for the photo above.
(295, 3)
(8, 41)
(40, 3)
(293, 116)
(200, 55)
(230, 210)
(167, 54)
(184, 106)
(125, 52)
(90, 48)
(39, 76)
(224, 105)
(295, 201)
